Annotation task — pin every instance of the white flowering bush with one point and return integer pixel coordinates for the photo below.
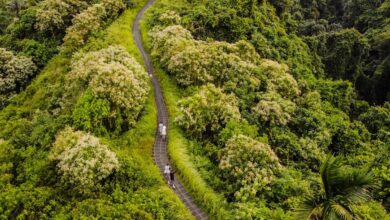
(169, 18)
(203, 62)
(91, 20)
(14, 71)
(83, 160)
(53, 15)
(273, 110)
(278, 79)
(112, 75)
(249, 165)
(170, 41)
(207, 111)
(194, 62)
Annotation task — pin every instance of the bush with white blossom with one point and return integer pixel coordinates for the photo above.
(83, 160)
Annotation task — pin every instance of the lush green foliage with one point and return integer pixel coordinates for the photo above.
(289, 101)
(89, 21)
(342, 188)
(36, 150)
(264, 91)
(38, 28)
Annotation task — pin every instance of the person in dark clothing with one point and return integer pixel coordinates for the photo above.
(172, 178)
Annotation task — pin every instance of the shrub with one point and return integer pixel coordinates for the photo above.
(55, 15)
(82, 160)
(169, 18)
(89, 21)
(342, 53)
(206, 112)
(376, 118)
(98, 208)
(274, 110)
(39, 52)
(110, 74)
(170, 41)
(339, 93)
(14, 71)
(194, 62)
(303, 153)
(278, 79)
(249, 166)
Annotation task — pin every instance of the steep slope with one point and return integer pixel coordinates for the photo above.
(35, 186)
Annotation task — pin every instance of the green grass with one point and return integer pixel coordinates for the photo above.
(210, 201)
(135, 145)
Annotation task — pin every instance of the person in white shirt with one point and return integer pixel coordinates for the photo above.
(167, 172)
(160, 127)
(164, 132)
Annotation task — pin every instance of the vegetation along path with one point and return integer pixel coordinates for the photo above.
(160, 153)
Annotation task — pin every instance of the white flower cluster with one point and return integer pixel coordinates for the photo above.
(14, 71)
(250, 164)
(273, 109)
(82, 160)
(112, 74)
(54, 14)
(90, 21)
(195, 62)
(207, 111)
(169, 18)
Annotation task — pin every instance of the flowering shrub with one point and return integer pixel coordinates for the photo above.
(169, 18)
(55, 15)
(203, 62)
(170, 41)
(14, 71)
(194, 62)
(278, 79)
(207, 111)
(249, 165)
(90, 21)
(82, 160)
(113, 75)
(273, 109)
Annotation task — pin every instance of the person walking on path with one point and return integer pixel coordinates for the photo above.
(167, 172)
(160, 127)
(172, 178)
(164, 132)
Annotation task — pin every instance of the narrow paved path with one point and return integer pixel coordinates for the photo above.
(160, 153)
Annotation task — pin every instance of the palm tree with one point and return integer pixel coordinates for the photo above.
(342, 189)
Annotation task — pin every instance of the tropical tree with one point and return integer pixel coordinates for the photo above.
(342, 189)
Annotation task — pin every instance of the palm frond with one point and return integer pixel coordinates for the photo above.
(330, 173)
(356, 186)
(341, 211)
(310, 208)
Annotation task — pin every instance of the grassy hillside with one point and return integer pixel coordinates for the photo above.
(267, 161)
(30, 185)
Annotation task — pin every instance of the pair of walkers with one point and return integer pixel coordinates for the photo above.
(169, 175)
(163, 130)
